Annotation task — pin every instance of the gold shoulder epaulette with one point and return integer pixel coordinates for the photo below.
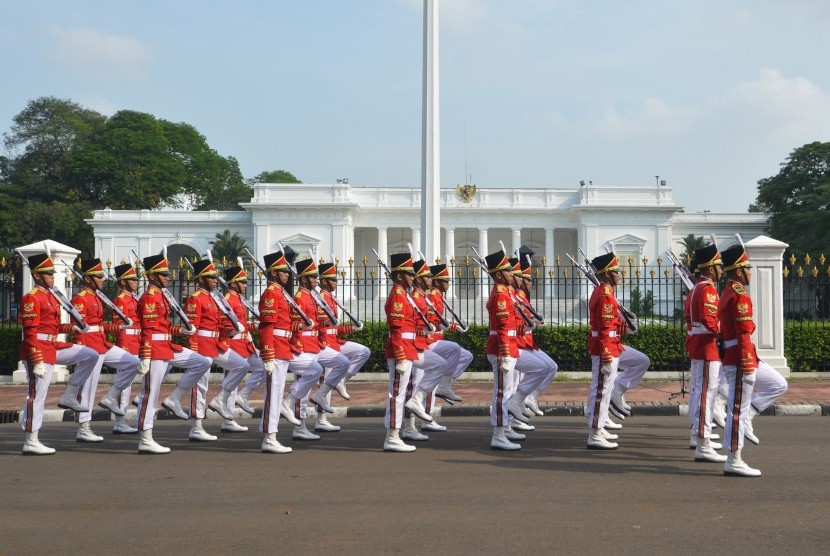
(500, 288)
(607, 290)
(738, 288)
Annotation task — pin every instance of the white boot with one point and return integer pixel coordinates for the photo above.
(693, 441)
(219, 404)
(719, 410)
(409, 432)
(341, 389)
(229, 425)
(511, 434)
(149, 446)
(501, 442)
(618, 402)
(749, 433)
(270, 445)
(121, 427)
(323, 424)
(611, 425)
(242, 400)
(532, 402)
(85, 434)
(415, 404)
(287, 409)
(516, 405)
(173, 402)
(608, 435)
(705, 452)
(111, 401)
(393, 442)
(520, 426)
(320, 396)
(597, 442)
(33, 447)
(444, 391)
(301, 432)
(432, 427)
(199, 434)
(69, 400)
(736, 466)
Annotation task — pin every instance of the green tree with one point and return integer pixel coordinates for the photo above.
(797, 199)
(227, 246)
(690, 243)
(275, 176)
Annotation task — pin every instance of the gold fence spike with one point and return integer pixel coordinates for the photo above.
(807, 258)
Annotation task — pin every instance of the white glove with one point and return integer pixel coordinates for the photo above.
(749, 378)
(606, 368)
(240, 326)
(126, 325)
(403, 366)
(188, 331)
(358, 327)
(77, 329)
(39, 370)
(270, 366)
(144, 367)
(506, 363)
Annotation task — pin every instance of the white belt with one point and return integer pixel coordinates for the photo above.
(160, 337)
(332, 331)
(698, 328)
(611, 334)
(309, 333)
(132, 331)
(92, 328)
(207, 333)
(730, 343)
(281, 333)
(496, 332)
(408, 335)
(47, 337)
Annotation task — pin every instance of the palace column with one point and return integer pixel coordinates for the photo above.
(483, 251)
(550, 260)
(517, 241)
(416, 242)
(449, 254)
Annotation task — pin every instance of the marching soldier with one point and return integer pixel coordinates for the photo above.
(744, 370)
(275, 332)
(502, 349)
(40, 351)
(202, 308)
(158, 354)
(354, 355)
(126, 365)
(702, 335)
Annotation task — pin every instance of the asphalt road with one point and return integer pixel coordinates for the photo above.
(343, 495)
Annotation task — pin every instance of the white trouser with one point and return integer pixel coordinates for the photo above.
(84, 360)
(498, 407)
(737, 408)
(456, 358)
(335, 366)
(126, 367)
(534, 370)
(702, 389)
(357, 354)
(553, 368)
(599, 394)
(195, 366)
(395, 398)
(306, 371)
(427, 372)
(230, 361)
(632, 367)
(255, 366)
(274, 390)
(769, 386)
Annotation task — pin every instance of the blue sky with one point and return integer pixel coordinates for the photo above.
(710, 95)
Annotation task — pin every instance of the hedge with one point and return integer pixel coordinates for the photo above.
(806, 347)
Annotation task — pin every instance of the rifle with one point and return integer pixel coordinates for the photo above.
(538, 316)
(590, 273)
(172, 302)
(314, 293)
(104, 299)
(288, 298)
(681, 270)
(521, 313)
(221, 303)
(431, 305)
(59, 296)
(428, 324)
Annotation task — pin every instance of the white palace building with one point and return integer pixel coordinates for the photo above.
(349, 221)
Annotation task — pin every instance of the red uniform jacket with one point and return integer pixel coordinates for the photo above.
(92, 310)
(502, 338)
(203, 313)
(305, 340)
(127, 339)
(437, 299)
(241, 343)
(156, 331)
(400, 317)
(525, 338)
(736, 327)
(40, 315)
(275, 325)
(332, 336)
(702, 322)
(422, 332)
(606, 324)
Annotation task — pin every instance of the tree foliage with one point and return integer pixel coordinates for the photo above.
(275, 176)
(690, 243)
(797, 199)
(227, 247)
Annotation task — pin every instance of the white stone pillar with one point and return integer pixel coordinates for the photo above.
(449, 243)
(430, 139)
(516, 241)
(767, 292)
(550, 262)
(483, 250)
(416, 242)
(383, 249)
